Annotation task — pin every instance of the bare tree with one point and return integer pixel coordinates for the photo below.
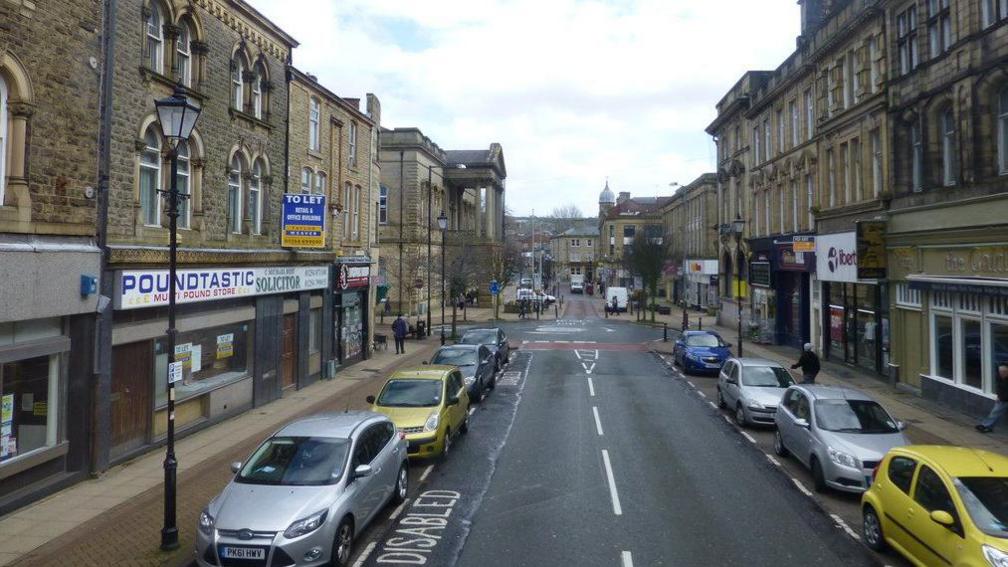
(505, 263)
(566, 217)
(646, 258)
(463, 269)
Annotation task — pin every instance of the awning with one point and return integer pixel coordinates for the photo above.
(988, 286)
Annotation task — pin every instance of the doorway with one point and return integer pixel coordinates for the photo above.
(288, 353)
(130, 399)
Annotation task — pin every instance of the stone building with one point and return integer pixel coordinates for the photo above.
(50, 56)
(690, 226)
(575, 251)
(250, 319)
(621, 218)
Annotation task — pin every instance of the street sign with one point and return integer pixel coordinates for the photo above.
(494, 287)
(174, 372)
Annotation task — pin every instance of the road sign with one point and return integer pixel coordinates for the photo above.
(494, 288)
(174, 372)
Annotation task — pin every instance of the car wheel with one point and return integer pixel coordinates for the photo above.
(402, 485)
(447, 443)
(740, 415)
(778, 445)
(343, 543)
(720, 400)
(818, 478)
(872, 529)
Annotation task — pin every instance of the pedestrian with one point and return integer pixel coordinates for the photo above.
(521, 308)
(1001, 404)
(399, 331)
(615, 305)
(809, 364)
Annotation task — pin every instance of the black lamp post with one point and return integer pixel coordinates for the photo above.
(738, 225)
(177, 117)
(442, 222)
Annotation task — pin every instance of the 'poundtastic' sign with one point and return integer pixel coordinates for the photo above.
(149, 288)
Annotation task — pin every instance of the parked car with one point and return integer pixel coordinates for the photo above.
(840, 434)
(752, 388)
(430, 405)
(544, 298)
(476, 363)
(304, 493)
(524, 294)
(700, 352)
(493, 339)
(620, 294)
(940, 505)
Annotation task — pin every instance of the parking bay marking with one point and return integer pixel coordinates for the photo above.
(426, 472)
(617, 509)
(366, 553)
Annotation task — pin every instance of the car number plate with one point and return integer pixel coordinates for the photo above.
(243, 553)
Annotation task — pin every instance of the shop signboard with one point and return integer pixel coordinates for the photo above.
(149, 288)
(836, 324)
(225, 346)
(349, 276)
(837, 257)
(303, 221)
(871, 250)
(789, 259)
(804, 243)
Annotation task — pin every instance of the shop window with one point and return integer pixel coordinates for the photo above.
(943, 342)
(210, 358)
(993, 11)
(315, 331)
(907, 297)
(972, 353)
(29, 399)
(969, 335)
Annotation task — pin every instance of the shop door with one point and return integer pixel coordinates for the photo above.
(130, 399)
(288, 355)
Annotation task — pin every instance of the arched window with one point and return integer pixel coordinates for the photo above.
(235, 195)
(948, 141)
(320, 184)
(3, 138)
(150, 178)
(306, 180)
(155, 38)
(237, 86)
(184, 185)
(257, 95)
(314, 117)
(1002, 132)
(183, 54)
(255, 197)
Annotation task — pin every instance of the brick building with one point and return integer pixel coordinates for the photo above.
(49, 99)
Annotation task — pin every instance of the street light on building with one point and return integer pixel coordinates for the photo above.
(177, 117)
(738, 225)
(442, 222)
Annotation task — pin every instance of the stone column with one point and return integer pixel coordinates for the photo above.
(478, 212)
(491, 213)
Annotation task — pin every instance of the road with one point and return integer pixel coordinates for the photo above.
(593, 452)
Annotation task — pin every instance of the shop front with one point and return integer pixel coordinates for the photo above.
(351, 286)
(701, 289)
(855, 311)
(794, 269)
(763, 310)
(244, 335)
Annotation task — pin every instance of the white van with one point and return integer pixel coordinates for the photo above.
(621, 295)
(576, 283)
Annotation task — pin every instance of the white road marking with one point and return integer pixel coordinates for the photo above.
(577, 353)
(627, 559)
(472, 411)
(588, 369)
(544, 341)
(426, 472)
(598, 422)
(591, 387)
(617, 509)
(727, 420)
(772, 460)
(712, 404)
(398, 510)
(702, 395)
(367, 551)
(801, 487)
(747, 436)
(691, 385)
(843, 525)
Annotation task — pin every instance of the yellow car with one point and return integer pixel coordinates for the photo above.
(430, 405)
(940, 505)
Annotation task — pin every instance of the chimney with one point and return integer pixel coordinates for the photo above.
(813, 13)
(624, 196)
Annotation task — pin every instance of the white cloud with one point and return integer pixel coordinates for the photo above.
(574, 90)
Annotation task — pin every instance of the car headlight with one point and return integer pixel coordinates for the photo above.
(469, 380)
(432, 422)
(206, 522)
(842, 459)
(306, 525)
(756, 405)
(692, 355)
(995, 556)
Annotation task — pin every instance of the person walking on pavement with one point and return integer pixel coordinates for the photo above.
(809, 364)
(1001, 404)
(399, 330)
(615, 306)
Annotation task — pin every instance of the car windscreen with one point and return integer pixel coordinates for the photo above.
(766, 377)
(296, 461)
(410, 394)
(479, 338)
(853, 416)
(455, 357)
(986, 500)
(703, 341)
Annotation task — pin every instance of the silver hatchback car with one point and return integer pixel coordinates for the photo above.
(752, 388)
(840, 434)
(305, 492)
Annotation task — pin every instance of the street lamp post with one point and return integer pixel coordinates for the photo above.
(442, 222)
(430, 213)
(738, 225)
(177, 117)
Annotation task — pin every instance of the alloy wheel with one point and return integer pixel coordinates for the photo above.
(740, 415)
(344, 541)
(402, 487)
(872, 529)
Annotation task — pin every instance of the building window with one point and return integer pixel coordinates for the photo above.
(768, 228)
(1002, 133)
(845, 172)
(906, 33)
(588, 243)
(907, 296)
(916, 157)
(184, 184)
(939, 27)
(756, 144)
(810, 199)
(353, 144)
(255, 197)
(320, 184)
(347, 195)
(795, 123)
(993, 11)
(830, 178)
(150, 178)
(356, 211)
(856, 175)
(155, 39)
(210, 359)
(794, 205)
(257, 95)
(782, 220)
(781, 139)
(30, 394)
(306, 181)
(237, 84)
(873, 63)
(851, 83)
(383, 205)
(235, 195)
(3, 139)
(767, 139)
(183, 55)
(314, 117)
(968, 337)
(314, 331)
(948, 137)
(876, 162)
(809, 114)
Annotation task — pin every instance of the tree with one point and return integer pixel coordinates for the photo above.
(505, 264)
(566, 217)
(462, 270)
(646, 258)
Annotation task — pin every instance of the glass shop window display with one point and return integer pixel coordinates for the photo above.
(28, 398)
(210, 359)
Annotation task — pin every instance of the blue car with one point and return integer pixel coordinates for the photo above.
(700, 352)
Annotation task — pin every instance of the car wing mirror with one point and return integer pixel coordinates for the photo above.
(942, 517)
(801, 422)
(362, 471)
(728, 345)
(902, 425)
(236, 466)
(370, 399)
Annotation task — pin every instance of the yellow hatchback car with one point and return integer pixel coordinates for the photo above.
(430, 405)
(940, 505)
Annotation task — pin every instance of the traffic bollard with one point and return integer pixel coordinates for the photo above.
(700, 323)
(664, 332)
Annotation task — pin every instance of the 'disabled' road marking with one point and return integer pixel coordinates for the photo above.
(598, 422)
(617, 509)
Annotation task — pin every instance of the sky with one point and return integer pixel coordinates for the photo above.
(576, 91)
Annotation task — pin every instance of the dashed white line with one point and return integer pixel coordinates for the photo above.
(727, 420)
(591, 387)
(691, 384)
(398, 510)
(843, 525)
(772, 460)
(363, 557)
(627, 559)
(712, 404)
(702, 395)
(598, 422)
(617, 509)
(747, 436)
(472, 410)
(801, 487)
(426, 472)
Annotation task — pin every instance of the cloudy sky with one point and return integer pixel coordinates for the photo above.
(574, 90)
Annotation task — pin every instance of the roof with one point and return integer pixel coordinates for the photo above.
(492, 157)
(427, 372)
(753, 361)
(334, 424)
(607, 197)
(639, 206)
(333, 98)
(961, 461)
(583, 230)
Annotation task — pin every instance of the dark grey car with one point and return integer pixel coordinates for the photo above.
(476, 363)
(494, 339)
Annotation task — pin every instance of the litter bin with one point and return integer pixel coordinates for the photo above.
(421, 328)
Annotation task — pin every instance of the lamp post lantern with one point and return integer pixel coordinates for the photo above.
(738, 225)
(177, 116)
(442, 222)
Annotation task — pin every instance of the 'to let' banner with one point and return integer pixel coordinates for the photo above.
(303, 221)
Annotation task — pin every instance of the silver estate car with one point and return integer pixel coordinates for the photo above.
(305, 492)
(840, 434)
(752, 388)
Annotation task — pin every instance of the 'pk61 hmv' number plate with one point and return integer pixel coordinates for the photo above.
(243, 553)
